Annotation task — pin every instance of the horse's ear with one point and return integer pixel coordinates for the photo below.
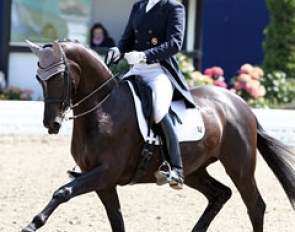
(57, 50)
(35, 48)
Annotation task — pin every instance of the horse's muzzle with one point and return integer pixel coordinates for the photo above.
(54, 129)
(53, 126)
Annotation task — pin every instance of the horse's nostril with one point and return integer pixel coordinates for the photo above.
(56, 124)
(52, 123)
(54, 128)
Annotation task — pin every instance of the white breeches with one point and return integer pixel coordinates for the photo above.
(154, 76)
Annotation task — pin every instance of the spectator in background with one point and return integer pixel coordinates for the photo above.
(99, 38)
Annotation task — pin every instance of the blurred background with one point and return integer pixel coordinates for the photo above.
(225, 33)
(245, 46)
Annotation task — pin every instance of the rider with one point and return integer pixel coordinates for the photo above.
(153, 35)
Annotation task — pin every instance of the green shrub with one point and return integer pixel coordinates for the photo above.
(279, 44)
(279, 89)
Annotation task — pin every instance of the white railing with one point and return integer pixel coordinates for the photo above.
(25, 118)
(278, 123)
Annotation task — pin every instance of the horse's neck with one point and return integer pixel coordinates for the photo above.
(95, 134)
(92, 78)
(115, 108)
(92, 71)
(94, 74)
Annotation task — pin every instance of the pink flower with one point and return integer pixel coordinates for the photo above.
(239, 85)
(254, 93)
(244, 78)
(209, 72)
(259, 71)
(217, 71)
(220, 83)
(214, 72)
(257, 91)
(246, 69)
(28, 91)
(252, 87)
(255, 76)
(253, 84)
(12, 89)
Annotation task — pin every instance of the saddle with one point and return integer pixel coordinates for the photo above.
(188, 123)
(144, 93)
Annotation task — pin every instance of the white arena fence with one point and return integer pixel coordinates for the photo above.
(25, 118)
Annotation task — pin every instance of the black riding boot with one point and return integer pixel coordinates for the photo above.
(175, 175)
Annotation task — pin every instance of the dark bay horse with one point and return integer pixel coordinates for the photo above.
(106, 141)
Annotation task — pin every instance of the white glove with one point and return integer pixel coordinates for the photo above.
(135, 57)
(113, 55)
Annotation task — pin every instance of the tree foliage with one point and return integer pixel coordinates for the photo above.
(279, 44)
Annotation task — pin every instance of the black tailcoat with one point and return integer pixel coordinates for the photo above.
(159, 34)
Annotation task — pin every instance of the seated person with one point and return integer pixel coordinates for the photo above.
(99, 38)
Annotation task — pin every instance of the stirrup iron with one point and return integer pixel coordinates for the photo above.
(163, 173)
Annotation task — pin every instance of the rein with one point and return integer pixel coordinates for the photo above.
(88, 96)
(93, 92)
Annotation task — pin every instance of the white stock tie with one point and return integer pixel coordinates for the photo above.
(151, 4)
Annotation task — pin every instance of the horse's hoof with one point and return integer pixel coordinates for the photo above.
(29, 228)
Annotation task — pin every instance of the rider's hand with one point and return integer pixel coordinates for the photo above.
(113, 55)
(135, 57)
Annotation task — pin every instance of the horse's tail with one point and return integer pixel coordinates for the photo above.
(280, 159)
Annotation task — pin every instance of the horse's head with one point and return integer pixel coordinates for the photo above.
(56, 80)
(69, 71)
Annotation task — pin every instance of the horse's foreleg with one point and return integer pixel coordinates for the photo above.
(111, 203)
(88, 182)
(216, 193)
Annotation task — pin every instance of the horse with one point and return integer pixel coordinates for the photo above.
(106, 141)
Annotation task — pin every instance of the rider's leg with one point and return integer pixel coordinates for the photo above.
(175, 177)
(154, 76)
(162, 90)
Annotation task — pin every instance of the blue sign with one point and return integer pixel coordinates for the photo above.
(233, 34)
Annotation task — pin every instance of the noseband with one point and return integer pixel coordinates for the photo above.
(65, 100)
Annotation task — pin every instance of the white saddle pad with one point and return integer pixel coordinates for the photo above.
(191, 128)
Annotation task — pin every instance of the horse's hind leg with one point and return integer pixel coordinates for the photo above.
(216, 193)
(111, 203)
(240, 166)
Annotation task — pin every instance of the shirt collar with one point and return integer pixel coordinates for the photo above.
(151, 4)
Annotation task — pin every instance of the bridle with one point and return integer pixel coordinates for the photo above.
(65, 100)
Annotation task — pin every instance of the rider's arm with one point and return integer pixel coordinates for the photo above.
(174, 35)
(126, 44)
